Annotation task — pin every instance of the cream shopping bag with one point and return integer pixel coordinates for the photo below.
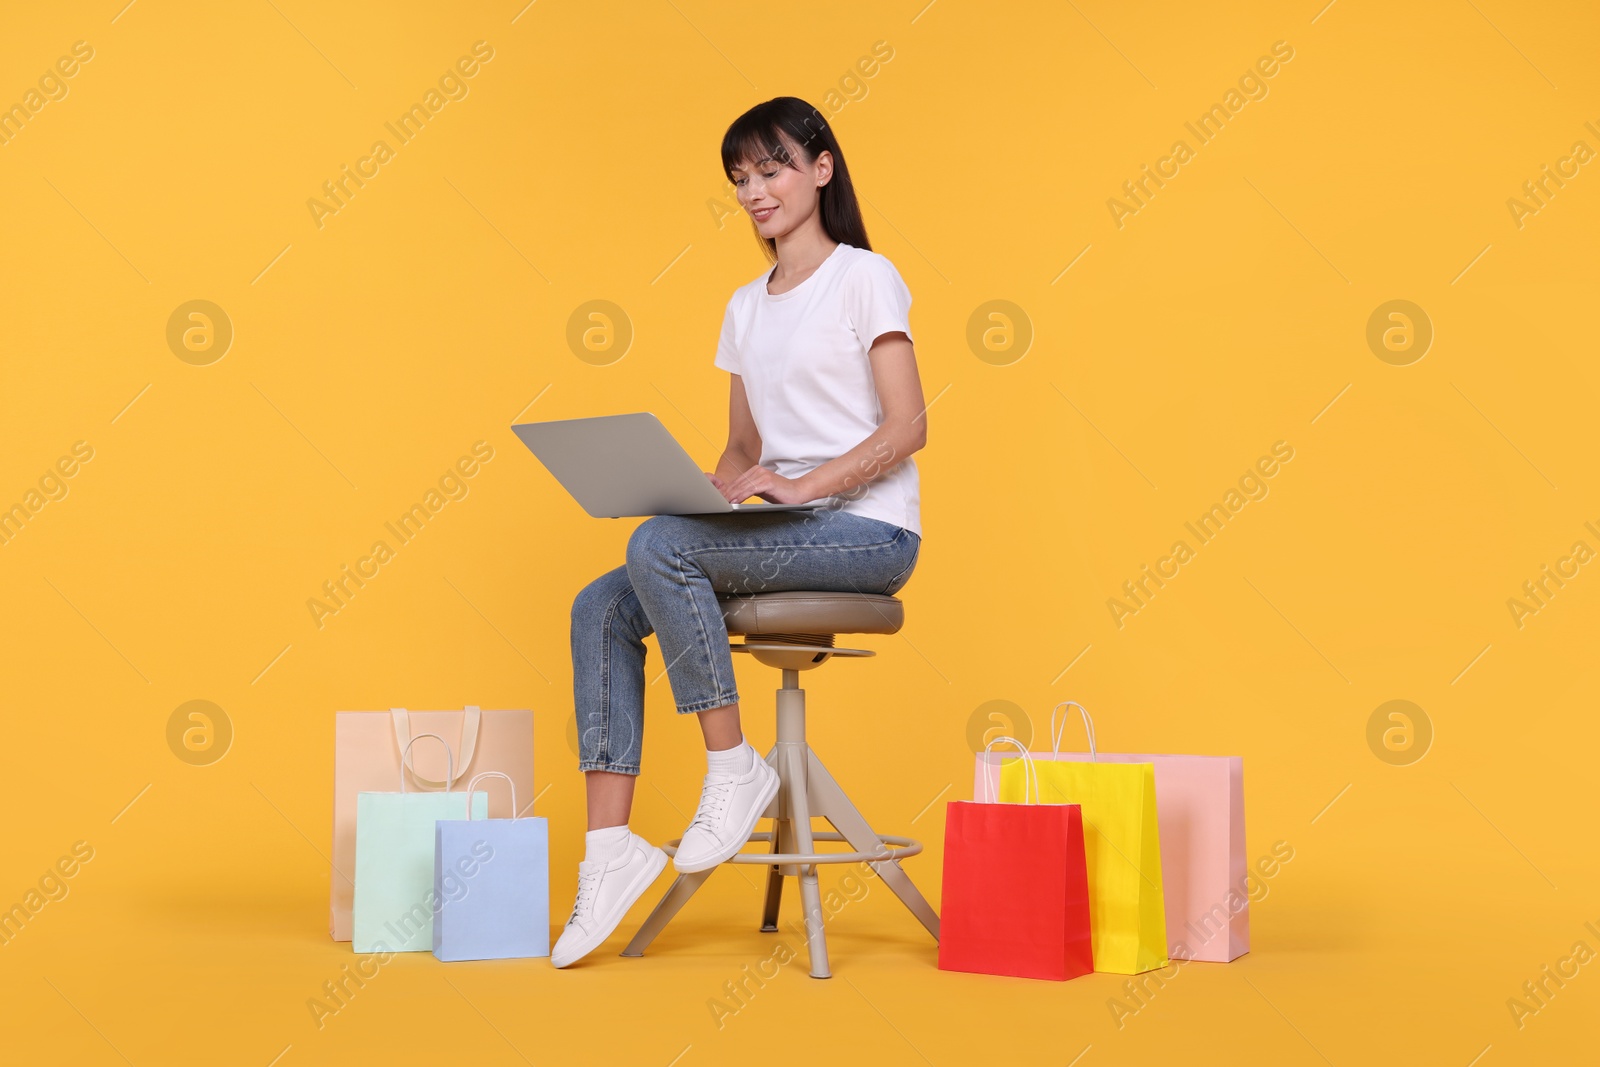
(367, 748)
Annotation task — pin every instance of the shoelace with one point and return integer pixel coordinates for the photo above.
(713, 801)
(588, 885)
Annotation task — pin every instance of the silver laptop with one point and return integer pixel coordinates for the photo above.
(619, 466)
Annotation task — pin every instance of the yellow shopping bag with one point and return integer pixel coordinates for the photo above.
(1127, 912)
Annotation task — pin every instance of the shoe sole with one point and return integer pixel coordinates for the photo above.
(635, 890)
(740, 839)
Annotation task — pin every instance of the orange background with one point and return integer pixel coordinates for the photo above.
(432, 310)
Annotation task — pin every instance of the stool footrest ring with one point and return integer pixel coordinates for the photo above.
(899, 848)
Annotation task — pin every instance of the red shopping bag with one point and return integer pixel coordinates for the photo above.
(1016, 888)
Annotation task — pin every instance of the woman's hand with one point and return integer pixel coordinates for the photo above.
(764, 483)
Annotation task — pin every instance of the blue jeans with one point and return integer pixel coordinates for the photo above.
(677, 565)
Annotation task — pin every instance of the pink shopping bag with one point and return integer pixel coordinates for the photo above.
(1200, 819)
(367, 748)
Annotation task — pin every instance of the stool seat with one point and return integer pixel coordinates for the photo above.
(808, 612)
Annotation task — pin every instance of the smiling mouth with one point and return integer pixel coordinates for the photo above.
(762, 214)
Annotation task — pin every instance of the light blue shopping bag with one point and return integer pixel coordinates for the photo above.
(492, 880)
(395, 904)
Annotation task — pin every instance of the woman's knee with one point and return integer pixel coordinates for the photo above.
(594, 599)
(652, 540)
(899, 581)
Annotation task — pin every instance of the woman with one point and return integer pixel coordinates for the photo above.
(824, 404)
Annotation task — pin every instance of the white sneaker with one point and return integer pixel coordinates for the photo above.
(730, 807)
(605, 893)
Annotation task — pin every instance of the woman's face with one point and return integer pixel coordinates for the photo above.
(780, 198)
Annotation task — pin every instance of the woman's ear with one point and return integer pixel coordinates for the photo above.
(824, 168)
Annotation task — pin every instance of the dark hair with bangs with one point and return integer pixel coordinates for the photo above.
(755, 137)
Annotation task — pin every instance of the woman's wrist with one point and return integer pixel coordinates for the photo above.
(809, 487)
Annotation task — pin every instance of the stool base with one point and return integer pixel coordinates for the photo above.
(806, 791)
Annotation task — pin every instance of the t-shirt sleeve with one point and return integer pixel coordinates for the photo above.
(877, 300)
(727, 348)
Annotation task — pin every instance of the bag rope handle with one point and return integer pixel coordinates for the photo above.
(1057, 729)
(1029, 771)
(470, 724)
(449, 766)
(491, 774)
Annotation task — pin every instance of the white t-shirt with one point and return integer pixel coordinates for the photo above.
(803, 357)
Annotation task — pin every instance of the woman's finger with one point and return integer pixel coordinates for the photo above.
(742, 485)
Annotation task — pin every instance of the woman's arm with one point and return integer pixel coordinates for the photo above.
(744, 440)
(903, 431)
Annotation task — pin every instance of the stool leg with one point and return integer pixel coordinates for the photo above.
(831, 803)
(810, 893)
(677, 896)
(769, 909)
(780, 843)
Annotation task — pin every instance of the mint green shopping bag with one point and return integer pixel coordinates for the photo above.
(394, 898)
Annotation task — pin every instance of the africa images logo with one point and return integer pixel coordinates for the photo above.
(452, 85)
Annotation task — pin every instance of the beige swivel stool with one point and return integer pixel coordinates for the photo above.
(794, 632)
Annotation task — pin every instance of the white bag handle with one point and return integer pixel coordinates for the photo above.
(491, 774)
(448, 767)
(469, 742)
(1028, 773)
(1056, 730)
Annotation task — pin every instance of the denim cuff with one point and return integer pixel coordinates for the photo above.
(603, 765)
(707, 705)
